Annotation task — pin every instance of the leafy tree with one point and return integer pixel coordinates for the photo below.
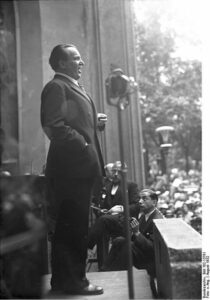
(170, 92)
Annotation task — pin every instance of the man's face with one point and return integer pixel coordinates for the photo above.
(146, 203)
(73, 65)
(115, 176)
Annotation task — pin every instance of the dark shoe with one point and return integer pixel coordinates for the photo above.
(90, 289)
(103, 268)
(55, 292)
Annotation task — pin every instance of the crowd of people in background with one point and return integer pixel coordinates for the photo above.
(180, 196)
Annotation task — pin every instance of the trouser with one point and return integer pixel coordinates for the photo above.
(117, 259)
(106, 226)
(69, 241)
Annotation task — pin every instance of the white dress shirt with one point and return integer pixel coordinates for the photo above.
(68, 77)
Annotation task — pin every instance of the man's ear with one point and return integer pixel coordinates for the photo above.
(155, 202)
(61, 64)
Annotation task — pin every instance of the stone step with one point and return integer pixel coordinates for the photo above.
(115, 286)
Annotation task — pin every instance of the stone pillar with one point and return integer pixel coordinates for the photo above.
(114, 42)
(178, 259)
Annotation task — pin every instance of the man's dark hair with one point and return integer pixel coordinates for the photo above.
(152, 194)
(58, 53)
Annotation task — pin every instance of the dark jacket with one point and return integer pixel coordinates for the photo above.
(69, 119)
(144, 240)
(107, 200)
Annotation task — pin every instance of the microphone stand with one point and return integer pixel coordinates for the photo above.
(121, 105)
(118, 88)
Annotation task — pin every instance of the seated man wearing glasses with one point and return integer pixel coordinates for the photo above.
(110, 211)
(142, 238)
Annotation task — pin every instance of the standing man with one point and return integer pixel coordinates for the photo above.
(74, 162)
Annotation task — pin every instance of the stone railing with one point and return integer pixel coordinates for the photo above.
(178, 259)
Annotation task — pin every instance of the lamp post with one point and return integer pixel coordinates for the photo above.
(165, 143)
(118, 90)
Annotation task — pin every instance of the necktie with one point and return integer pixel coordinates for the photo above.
(142, 223)
(82, 88)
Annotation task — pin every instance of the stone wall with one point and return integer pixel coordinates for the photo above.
(102, 30)
(178, 259)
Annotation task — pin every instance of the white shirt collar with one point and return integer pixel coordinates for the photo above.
(148, 215)
(114, 189)
(68, 77)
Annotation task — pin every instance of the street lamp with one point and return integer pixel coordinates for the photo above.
(165, 143)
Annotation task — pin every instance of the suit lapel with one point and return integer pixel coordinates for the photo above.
(144, 225)
(82, 93)
(118, 194)
(75, 87)
(108, 189)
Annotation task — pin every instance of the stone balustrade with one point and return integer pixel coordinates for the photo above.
(178, 259)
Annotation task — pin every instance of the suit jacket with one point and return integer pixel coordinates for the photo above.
(109, 201)
(144, 241)
(69, 119)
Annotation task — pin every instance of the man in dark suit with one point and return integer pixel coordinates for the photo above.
(110, 220)
(142, 238)
(74, 161)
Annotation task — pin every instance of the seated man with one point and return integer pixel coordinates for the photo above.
(142, 238)
(110, 220)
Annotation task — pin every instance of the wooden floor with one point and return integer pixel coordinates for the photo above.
(114, 284)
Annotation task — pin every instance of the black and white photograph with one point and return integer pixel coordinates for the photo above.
(104, 149)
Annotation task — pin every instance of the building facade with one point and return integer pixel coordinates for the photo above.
(103, 32)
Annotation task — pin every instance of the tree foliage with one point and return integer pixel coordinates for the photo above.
(170, 92)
